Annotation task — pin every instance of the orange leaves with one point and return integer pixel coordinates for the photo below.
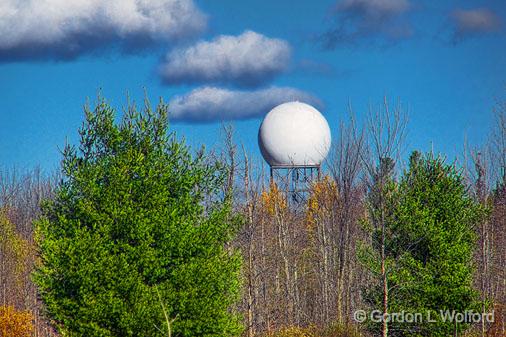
(273, 200)
(15, 323)
(321, 199)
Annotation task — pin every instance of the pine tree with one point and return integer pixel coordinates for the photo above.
(136, 237)
(381, 202)
(428, 247)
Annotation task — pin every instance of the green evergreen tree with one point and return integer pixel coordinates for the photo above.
(429, 247)
(137, 230)
(381, 201)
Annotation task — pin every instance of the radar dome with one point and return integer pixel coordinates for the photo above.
(294, 134)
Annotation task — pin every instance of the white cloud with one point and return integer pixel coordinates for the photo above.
(249, 59)
(210, 104)
(34, 29)
(474, 21)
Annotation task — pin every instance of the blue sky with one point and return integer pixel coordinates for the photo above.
(233, 60)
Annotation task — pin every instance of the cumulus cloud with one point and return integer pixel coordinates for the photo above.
(65, 29)
(210, 104)
(368, 19)
(473, 22)
(247, 60)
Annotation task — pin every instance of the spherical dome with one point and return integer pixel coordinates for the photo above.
(294, 133)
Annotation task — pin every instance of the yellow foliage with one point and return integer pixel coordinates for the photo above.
(322, 192)
(273, 200)
(13, 246)
(293, 331)
(15, 323)
(336, 330)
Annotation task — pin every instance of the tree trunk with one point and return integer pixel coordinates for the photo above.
(384, 273)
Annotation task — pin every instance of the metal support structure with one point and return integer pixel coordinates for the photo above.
(295, 181)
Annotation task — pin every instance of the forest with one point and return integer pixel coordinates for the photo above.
(140, 235)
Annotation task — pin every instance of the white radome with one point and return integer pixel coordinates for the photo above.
(294, 134)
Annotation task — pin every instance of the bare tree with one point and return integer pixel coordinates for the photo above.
(484, 168)
(228, 157)
(346, 168)
(20, 199)
(387, 129)
(498, 144)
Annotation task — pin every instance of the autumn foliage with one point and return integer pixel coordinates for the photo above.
(335, 330)
(15, 323)
(301, 274)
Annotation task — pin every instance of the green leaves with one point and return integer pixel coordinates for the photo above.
(129, 218)
(429, 240)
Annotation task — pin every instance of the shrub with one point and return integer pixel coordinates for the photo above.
(335, 330)
(341, 330)
(294, 331)
(15, 323)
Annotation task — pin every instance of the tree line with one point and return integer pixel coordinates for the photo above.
(138, 235)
